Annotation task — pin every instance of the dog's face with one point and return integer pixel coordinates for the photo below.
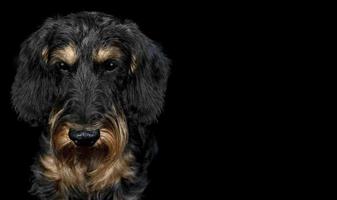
(89, 76)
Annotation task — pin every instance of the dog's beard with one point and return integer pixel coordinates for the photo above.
(108, 148)
(91, 163)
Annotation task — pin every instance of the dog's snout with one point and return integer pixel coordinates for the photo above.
(84, 137)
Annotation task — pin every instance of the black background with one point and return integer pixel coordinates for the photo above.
(239, 114)
(189, 34)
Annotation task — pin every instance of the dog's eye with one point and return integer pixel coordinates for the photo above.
(62, 65)
(110, 65)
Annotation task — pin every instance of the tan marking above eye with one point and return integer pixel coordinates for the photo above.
(45, 54)
(133, 66)
(65, 54)
(106, 53)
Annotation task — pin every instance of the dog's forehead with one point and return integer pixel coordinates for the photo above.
(91, 39)
(86, 39)
(89, 31)
(70, 45)
(82, 40)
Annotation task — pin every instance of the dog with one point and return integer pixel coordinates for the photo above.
(94, 83)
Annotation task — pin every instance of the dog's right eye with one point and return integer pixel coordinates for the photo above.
(62, 65)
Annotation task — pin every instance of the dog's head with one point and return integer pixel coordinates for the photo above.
(88, 76)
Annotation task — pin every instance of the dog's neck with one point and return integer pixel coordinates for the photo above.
(80, 177)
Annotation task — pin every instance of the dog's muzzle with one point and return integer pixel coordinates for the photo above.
(84, 137)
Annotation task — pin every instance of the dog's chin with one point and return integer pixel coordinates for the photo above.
(73, 155)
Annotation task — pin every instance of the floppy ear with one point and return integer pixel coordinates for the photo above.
(150, 70)
(33, 87)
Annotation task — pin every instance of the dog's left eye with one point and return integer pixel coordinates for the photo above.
(62, 65)
(110, 65)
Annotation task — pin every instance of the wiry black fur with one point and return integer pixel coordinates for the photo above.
(39, 87)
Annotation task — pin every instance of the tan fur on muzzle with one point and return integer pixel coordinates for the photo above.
(88, 169)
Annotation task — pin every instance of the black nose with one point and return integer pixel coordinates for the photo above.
(83, 137)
